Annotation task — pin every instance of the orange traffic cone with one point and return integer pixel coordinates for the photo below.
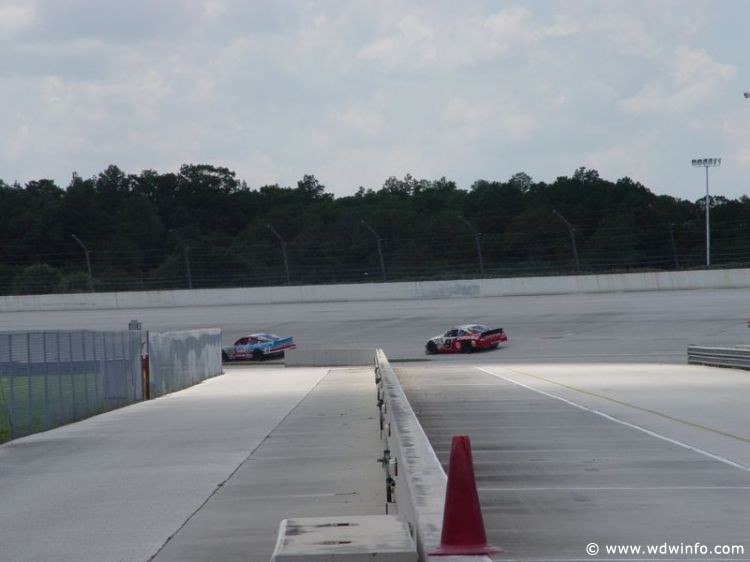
(463, 526)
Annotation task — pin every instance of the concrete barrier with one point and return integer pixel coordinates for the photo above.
(469, 288)
(329, 357)
(349, 538)
(419, 479)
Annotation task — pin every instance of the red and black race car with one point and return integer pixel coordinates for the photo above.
(466, 339)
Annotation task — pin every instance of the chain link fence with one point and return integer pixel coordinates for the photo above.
(178, 360)
(346, 255)
(51, 378)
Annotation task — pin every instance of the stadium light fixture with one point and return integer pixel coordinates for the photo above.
(707, 163)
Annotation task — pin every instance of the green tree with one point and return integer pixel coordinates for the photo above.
(37, 279)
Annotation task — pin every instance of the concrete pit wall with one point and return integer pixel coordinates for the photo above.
(469, 288)
(420, 481)
(329, 357)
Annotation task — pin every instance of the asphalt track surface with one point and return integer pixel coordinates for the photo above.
(619, 327)
(587, 426)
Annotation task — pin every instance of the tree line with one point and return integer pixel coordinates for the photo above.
(204, 227)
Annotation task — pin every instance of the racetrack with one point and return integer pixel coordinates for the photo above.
(588, 425)
(620, 327)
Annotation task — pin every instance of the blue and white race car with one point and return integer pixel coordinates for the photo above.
(257, 347)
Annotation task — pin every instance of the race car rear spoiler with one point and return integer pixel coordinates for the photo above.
(493, 332)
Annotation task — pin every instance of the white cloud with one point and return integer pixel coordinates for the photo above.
(256, 164)
(423, 42)
(214, 8)
(16, 16)
(637, 156)
(693, 77)
(364, 118)
(19, 141)
(622, 32)
(474, 119)
(357, 91)
(412, 44)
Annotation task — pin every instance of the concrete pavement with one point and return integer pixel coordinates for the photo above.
(119, 485)
(554, 477)
(320, 460)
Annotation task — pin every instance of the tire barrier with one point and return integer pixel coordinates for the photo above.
(737, 357)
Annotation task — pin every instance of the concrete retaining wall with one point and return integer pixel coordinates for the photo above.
(329, 357)
(469, 288)
(420, 479)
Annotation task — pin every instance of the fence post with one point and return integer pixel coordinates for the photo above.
(29, 417)
(11, 390)
(72, 375)
(85, 369)
(46, 381)
(59, 377)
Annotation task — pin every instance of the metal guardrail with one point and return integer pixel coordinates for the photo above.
(415, 480)
(737, 357)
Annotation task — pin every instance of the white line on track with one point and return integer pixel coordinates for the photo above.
(622, 422)
(586, 355)
(660, 559)
(609, 488)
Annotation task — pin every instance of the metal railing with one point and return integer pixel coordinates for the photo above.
(51, 378)
(730, 356)
(178, 360)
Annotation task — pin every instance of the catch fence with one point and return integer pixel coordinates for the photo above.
(51, 378)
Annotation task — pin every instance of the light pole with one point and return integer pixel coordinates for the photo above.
(476, 234)
(187, 267)
(707, 163)
(380, 248)
(674, 246)
(283, 251)
(572, 239)
(670, 225)
(88, 262)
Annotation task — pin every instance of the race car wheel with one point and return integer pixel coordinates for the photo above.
(258, 355)
(224, 356)
(431, 348)
(466, 347)
(494, 345)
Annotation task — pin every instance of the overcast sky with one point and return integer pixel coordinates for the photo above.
(355, 91)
